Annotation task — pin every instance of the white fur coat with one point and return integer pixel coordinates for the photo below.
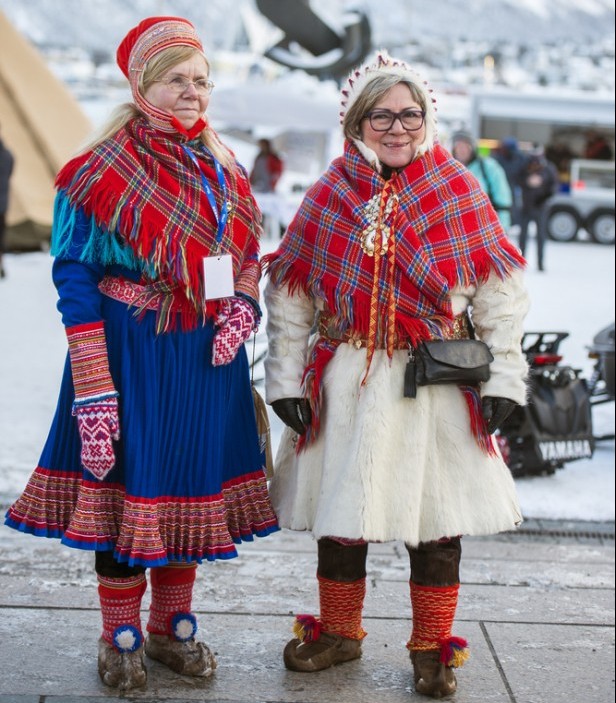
(385, 467)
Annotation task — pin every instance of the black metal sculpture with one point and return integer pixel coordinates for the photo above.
(310, 44)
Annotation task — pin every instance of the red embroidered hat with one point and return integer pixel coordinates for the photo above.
(152, 35)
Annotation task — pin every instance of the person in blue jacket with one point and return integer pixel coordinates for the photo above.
(509, 155)
(153, 461)
(490, 174)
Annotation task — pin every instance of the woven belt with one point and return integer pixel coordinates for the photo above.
(129, 292)
(328, 331)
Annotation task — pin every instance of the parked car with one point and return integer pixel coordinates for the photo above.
(589, 205)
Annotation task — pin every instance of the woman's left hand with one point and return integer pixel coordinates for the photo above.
(236, 326)
(496, 411)
(294, 412)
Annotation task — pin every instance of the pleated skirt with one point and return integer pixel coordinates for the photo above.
(189, 481)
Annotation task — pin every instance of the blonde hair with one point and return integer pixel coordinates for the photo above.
(370, 95)
(155, 68)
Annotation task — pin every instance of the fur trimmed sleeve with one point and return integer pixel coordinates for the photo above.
(499, 309)
(289, 323)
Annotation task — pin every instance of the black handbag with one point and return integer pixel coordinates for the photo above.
(462, 361)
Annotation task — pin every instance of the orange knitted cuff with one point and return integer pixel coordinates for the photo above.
(341, 605)
(434, 609)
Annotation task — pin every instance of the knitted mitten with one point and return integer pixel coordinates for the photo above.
(96, 405)
(235, 326)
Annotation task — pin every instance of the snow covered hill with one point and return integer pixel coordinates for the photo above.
(100, 24)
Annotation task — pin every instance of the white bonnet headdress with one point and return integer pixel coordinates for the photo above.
(383, 64)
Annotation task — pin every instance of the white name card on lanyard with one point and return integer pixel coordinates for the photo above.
(218, 275)
(217, 270)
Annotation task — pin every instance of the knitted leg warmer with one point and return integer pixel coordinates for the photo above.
(434, 609)
(172, 589)
(341, 604)
(120, 600)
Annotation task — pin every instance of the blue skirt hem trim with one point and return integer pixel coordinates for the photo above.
(125, 559)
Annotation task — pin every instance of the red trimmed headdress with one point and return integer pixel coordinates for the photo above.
(385, 65)
(148, 38)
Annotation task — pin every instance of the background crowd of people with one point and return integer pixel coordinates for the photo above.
(520, 182)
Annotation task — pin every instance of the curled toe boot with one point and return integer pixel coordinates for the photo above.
(432, 677)
(122, 670)
(329, 649)
(189, 657)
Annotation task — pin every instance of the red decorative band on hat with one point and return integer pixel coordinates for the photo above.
(151, 36)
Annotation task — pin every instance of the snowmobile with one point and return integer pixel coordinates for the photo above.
(555, 426)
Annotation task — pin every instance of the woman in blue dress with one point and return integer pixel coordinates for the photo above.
(153, 459)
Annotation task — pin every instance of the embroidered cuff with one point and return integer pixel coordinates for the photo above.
(87, 349)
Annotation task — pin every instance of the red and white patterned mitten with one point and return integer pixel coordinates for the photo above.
(98, 424)
(235, 330)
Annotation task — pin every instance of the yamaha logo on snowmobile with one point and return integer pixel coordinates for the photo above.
(565, 450)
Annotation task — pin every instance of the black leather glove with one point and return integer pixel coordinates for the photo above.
(496, 411)
(294, 412)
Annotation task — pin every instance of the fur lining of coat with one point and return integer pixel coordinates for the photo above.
(385, 467)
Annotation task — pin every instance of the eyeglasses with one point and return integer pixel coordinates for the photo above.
(179, 85)
(383, 120)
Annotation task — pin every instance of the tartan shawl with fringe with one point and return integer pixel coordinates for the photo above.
(446, 234)
(141, 185)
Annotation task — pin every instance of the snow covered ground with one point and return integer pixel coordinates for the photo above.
(575, 294)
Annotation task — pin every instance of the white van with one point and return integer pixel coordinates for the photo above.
(588, 206)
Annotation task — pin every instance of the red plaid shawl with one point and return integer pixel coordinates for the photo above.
(142, 185)
(446, 234)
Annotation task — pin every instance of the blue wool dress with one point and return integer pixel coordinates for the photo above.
(189, 479)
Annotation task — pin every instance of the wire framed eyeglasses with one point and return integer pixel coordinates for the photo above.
(383, 120)
(179, 85)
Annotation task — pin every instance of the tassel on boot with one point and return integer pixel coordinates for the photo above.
(434, 652)
(172, 627)
(334, 638)
(120, 649)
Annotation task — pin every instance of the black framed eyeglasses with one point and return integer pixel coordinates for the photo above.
(383, 120)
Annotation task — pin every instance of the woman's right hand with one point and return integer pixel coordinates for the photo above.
(294, 412)
(98, 424)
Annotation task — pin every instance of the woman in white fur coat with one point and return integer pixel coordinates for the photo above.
(396, 243)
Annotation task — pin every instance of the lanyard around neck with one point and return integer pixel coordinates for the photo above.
(222, 216)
